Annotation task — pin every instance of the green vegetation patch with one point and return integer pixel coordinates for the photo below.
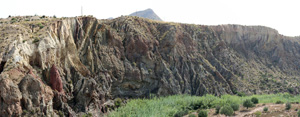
(177, 104)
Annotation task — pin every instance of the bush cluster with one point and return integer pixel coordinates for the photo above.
(235, 106)
(227, 110)
(181, 113)
(241, 94)
(279, 102)
(202, 113)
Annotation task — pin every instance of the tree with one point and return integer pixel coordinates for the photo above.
(248, 103)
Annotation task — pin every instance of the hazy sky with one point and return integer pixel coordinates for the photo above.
(283, 15)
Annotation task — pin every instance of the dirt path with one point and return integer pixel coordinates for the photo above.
(273, 110)
(252, 111)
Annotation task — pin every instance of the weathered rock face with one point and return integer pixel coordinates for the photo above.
(87, 62)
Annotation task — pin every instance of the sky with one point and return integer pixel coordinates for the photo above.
(282, 15)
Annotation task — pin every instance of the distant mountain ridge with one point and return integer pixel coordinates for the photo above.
(148, 13)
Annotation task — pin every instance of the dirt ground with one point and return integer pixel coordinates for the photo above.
(274, 110)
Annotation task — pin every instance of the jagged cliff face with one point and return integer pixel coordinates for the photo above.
(76, 65)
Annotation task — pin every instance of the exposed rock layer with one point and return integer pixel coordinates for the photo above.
(87, 62)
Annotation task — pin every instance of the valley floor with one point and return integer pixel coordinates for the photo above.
(185, 105)
(274, 110)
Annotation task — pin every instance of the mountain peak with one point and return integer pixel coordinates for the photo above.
(148, 13)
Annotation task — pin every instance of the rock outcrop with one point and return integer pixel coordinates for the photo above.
(76, 66)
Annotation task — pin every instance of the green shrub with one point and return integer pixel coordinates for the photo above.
(248, 103)
(227, 110)
(181, 113)
(241, 94)
(192, 115)
(197, 105)
(13, 20)
(234, 91)
(254, 100)
(35, 40)
(218, 109)
(288, 106)
(87, 115)
(266, 109)
(134, 64)
(291, 90)
(202, 113)
(235, 106)
(60, 114)
(298, 113)
(257, 113)
(118, 102)
(25, 112)
(40, 25)
(90, 114)
(279, 102)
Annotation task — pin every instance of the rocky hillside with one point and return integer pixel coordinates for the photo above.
(52, 66)
(148, 13)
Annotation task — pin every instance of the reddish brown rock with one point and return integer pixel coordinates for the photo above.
(55, 80)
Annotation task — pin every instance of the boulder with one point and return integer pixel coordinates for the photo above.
(36, 96)
(10, 98)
